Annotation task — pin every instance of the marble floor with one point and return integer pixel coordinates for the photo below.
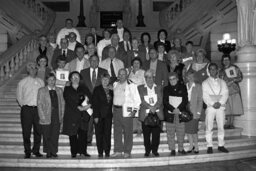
(232, 165)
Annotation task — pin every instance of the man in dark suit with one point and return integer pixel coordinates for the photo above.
(159, 68)
(91, 79)
(119, 29)
(69, 54)
(97, 37)
(120, 52)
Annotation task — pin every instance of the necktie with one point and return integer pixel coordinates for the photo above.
(112, 69)
(94, 78)
(64, 53)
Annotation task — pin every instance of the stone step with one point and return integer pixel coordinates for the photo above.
(16, 137)
(10, 107)
(137, 160)
(137, 148)
(7, 99)
(9, 111)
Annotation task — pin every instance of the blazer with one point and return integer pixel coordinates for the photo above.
(71, 66)
(57, 52)
(131, 56)
(161, 77)
(196, 102)
(178, 90)
(120, 53)
(73, 118)
(44, 105)
(144, 105)
(87, 80)
(101, 107)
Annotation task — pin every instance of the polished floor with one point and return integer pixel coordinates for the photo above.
(233, 165)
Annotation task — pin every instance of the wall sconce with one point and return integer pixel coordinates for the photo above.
(226, 45)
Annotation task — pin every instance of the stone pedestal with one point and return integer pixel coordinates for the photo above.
(247, 63)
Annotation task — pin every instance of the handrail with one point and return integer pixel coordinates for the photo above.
(13, 59)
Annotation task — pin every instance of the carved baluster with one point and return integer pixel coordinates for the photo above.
(25, 52)
(12, 67)
(2, 73)
(7, 70)
(21, 57)
(17, 62)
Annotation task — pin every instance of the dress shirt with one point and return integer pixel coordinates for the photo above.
(137, 77)
(120, 33)
(161, 56)
(65, 32)
(49, 88)
(64, 50)
(53, 45)
(27, 90)
(119, 94)
(190, 90)
(127, 46)
(117, 64)
(72, 45)
(151, 91)
(103, 43)
(214, 86)
(80, 64)
(153, 66)
(91, 71)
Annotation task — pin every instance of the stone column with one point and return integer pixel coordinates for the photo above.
(246, 61)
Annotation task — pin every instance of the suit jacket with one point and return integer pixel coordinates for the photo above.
(120, 53)
(144, 105)
(167, 45)
(131, 56)
(57, 52)
(196, 102)
(44, 105)
(87, 80)
(71, 66)
(161, 77)
(101, 107)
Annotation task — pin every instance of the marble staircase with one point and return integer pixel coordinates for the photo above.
(11, 146)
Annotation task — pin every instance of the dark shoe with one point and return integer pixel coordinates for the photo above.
(232, 127)
(189, 151)
(37, 154)
(107, 155)
(86, 155)
(173, 153)
(48, 155)
(89, 143)
(226, 126)
(27, 156)
(54, 155)
(223, 149)
(73, 155)
(100, 155)
(146, 155)
(183, 152)
(155, 154)
(209, 150)
(196, 152)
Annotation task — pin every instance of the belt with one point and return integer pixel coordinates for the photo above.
(117, 106)
(30, 106)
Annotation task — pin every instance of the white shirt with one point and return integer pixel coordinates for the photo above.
(137, 77)
(127, 44)
(151, 91)
(27, 90)
(64, 32)
(120, 33)
(119, 94)
(117, 64)
(66, 52)
(161, 56)
(153, 66)
(100, 46)
(72, 45)
(190, 90)
(212, 86)
(91, 71)
(80, 64)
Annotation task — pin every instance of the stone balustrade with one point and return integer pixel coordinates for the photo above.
(37, 7)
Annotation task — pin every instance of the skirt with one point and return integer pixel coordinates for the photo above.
(191, 127)
(234, 105)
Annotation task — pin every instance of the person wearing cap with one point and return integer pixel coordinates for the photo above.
(27, 98)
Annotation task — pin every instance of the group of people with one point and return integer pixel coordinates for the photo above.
(116, 80)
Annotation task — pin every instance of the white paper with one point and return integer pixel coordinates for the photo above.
(231, 72)
(62, 75)
(127, 109)
(187, 59)
(175, 101)
(85, 103)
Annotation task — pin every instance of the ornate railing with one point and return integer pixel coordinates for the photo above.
(13, 60)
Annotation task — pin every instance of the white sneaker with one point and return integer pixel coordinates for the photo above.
(117, 154)
(127, 155)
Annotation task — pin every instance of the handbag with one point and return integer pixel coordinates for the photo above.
(185, 116)
(152, 120)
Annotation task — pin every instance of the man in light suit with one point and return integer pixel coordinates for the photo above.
(50, 103)
(91, 78)
(69, 54)
(80, 62)
(159, 68)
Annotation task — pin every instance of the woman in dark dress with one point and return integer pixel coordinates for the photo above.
(102, 101)
(162, 37)
(76, 115)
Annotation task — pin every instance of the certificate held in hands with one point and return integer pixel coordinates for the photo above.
(127, 111)
(62, 75)
(84, 102)
(175, 101)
